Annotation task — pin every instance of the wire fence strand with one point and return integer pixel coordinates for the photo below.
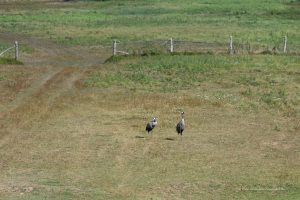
(182, 46)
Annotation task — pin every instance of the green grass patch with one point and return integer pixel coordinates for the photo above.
(274, 98)
(246, 82)
(2, 77)
(10, 61)
(184, 71)
(99, 22)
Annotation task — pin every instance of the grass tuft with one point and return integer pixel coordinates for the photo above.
(10, 61)
(2, 77)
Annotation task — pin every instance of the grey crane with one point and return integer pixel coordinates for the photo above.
(150, 126)
(180, 126)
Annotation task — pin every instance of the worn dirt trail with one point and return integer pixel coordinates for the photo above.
(65, 66)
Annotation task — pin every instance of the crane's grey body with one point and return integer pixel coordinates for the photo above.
(151, 125)
(180, 126)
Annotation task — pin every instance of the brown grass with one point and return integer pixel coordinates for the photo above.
(92, 142)
(17, 79)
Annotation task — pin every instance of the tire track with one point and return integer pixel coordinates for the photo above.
(65, 67)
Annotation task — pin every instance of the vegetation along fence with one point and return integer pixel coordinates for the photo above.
(176, 46)
(11, 48)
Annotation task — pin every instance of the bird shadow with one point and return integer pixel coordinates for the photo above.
(139, 137)
(170, 139)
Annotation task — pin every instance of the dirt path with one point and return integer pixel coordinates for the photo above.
(65, 65)
(46, 52)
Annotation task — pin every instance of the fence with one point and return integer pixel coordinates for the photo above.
(231, 46)
(15, 47)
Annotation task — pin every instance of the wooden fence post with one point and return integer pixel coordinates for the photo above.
(285, 44)
(115, 47)
(230, 45)
(171, 45)
(16, 50)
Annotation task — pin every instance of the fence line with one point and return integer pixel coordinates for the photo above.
(232, 46)
(16, 47)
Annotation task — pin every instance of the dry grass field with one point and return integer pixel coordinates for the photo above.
(63, 140)
(72, 126)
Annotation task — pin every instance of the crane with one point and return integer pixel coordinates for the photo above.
(180, 126)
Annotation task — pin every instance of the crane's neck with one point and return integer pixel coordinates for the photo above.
(182, 120)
